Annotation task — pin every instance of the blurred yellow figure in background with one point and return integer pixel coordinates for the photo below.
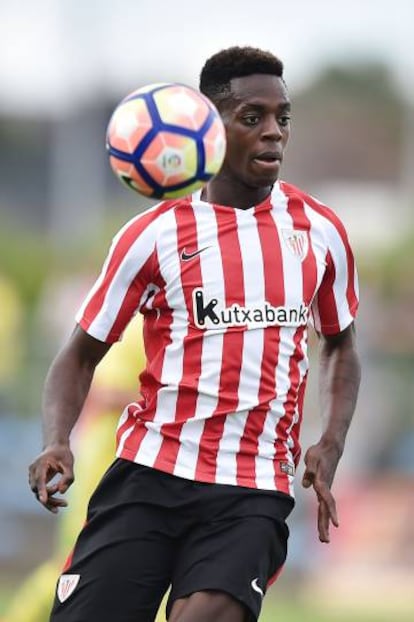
(11, 337)
(114, 385)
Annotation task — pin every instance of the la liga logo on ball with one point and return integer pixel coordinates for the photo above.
(165, 140)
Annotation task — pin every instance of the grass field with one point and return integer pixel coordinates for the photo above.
(277, 607)
(290, 612)
(287, 612)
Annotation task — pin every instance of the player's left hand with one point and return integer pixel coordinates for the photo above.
(321, 463)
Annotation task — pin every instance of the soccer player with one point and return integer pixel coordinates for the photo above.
(227, 281)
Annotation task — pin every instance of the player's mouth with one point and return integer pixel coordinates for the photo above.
(268, 160)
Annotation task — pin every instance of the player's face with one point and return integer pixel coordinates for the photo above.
(257, 120)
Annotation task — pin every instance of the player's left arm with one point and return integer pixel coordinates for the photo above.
(339, 379)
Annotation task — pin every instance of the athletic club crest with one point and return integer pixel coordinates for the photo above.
(297, 242)
(66, 586)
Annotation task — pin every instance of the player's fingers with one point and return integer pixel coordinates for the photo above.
(52, 489)
(324, 494)
(309, 474)
(311, 465)
(34, 478)
(38, 482)
(326, 513)
(54, 503)
(331, 506)
(308, 478)
(67, 478)
(323, 522)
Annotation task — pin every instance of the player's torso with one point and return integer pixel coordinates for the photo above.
(224, 268)
(225, 331)
(231, 308)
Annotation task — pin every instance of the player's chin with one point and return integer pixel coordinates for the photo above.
(262, 181)
(262, 176)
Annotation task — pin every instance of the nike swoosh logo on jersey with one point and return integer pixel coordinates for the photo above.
(256, 587)
(187, 256)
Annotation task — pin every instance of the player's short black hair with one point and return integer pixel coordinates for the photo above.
(235, 62)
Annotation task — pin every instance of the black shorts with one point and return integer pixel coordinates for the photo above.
(147, 530)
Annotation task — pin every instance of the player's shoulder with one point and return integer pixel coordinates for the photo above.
(150, 217)
(313, 204)
(163, 207)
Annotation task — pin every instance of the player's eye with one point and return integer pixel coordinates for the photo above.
(284, 120)
(251, 119)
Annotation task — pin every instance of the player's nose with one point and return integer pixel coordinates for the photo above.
(271, 128)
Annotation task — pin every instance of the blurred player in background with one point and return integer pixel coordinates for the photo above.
(114, 384)
(11, 339)
(227, 281)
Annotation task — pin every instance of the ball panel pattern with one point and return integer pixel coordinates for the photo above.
(165, 140)
(170, 158)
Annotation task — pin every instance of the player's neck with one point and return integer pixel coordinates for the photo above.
(234, 194)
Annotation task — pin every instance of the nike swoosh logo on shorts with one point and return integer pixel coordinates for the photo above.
(256, 587)
(187, 256)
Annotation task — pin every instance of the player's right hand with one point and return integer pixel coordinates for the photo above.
(54, 460)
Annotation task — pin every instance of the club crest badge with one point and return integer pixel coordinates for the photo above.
(297, 242)
(66, 586)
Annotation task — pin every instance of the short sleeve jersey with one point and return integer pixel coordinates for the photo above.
(226, 296)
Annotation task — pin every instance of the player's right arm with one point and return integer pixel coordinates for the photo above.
(66, 387)
(106, 311)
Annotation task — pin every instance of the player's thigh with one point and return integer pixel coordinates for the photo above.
(122, 561)
(235, 556)
(124, 581)
(209, 606)
(120, 579)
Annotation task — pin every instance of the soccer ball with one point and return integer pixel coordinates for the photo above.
(165, 140)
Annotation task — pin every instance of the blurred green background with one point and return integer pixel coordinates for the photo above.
(350, 71)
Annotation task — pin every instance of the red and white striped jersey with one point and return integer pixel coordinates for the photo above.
(226, 296)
